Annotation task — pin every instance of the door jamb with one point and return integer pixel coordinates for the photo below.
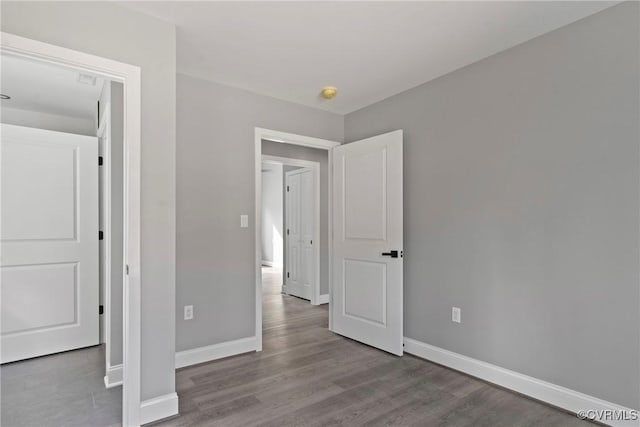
(130, 76)
(286, 138)
(104, 133)
(315, 169)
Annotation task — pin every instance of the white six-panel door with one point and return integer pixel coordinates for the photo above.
(49, 242)
(299, 233)
(367, 288)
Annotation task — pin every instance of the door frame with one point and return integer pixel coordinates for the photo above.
(130, 77)
(315, 169)
(285, 138)
(113, 373)
(104, 175)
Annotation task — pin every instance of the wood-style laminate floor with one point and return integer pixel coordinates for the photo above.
(60, 390)
(308, 376)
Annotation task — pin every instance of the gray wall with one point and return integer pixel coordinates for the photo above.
(215, 179)
(116, 32)
(521, 206)
(315, 155)
(272, 211)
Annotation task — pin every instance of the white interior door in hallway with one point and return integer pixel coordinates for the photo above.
(300, 228)
(367, 289)
(49, 242)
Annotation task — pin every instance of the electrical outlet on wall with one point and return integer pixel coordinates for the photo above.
(455, 314)
(188, 312)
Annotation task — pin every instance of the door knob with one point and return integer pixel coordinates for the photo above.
(392, 254)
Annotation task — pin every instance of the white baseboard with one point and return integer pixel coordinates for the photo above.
(553, 394)
(216, 351)
(324, 299)
(158, 408)
(113, 377)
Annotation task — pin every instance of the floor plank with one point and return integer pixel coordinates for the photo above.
(64, 389)
(308, 376)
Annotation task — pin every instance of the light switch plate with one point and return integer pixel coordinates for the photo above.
(188, 312)
(455, 314)
(244, 221)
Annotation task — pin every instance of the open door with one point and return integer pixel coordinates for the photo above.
(49, 242)
(299, 233)
(367, 293)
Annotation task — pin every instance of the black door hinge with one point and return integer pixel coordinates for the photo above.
(99, 160)
(101, 309)
(287, 231)
(287, 188)
(287, 274)
(100, 235)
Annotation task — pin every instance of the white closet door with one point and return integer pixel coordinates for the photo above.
(49, 242)
(299, 234)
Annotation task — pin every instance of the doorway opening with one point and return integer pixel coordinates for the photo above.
(70, 235)
(292, 224)
(62, 237)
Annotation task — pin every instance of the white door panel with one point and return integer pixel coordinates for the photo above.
(299, 235)
(49, 211)
(367, 293)
(49, 242)
(365, 199)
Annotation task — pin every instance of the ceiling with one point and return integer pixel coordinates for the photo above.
(47, 88)
(368, 50)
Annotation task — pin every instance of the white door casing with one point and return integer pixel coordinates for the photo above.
(49, 242)
(367, 294)
(300, 229)
(130, 76)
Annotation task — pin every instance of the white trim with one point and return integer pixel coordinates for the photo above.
(553, 394)
(114, 376)
(268, 263)
(130, 76)
(159, 408)
(104, 134)
(330, 242)
(214, 352)
(289, 138)
(323, 299)
(287, 161)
